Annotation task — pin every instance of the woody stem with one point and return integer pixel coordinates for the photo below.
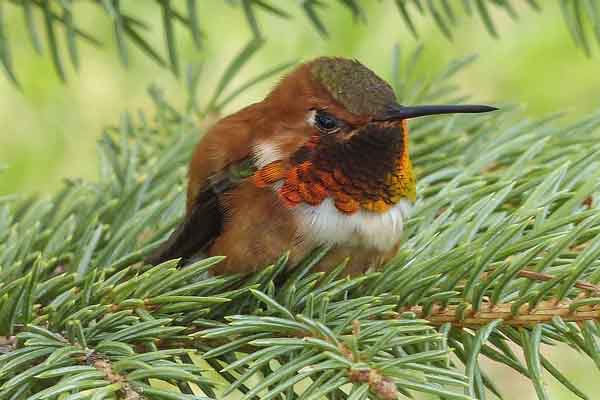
(568, 311)
(544, 312)
(540, 276)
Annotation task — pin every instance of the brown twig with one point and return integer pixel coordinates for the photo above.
(384, 387)
(543, 312)
(105, 366)
(540, 276)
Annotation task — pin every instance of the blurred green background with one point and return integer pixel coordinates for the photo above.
(49, 129)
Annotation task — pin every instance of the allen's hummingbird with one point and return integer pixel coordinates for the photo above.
(322, 160)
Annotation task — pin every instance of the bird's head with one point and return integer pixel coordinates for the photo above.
(342, 133)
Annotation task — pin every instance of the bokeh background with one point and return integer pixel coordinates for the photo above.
(48, 130)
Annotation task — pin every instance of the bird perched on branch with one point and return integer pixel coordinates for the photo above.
(322, 160)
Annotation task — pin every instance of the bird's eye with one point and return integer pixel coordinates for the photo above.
(326, 122)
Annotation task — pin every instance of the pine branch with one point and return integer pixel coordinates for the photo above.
(117, 381)
(544, 312)
(583, 308)
(538, 276)
(495, 210)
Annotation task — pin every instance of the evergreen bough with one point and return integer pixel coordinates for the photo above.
(500, 257)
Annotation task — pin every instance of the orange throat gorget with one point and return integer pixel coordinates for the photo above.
(370, 171)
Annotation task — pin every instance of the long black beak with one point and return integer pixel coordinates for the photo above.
(398, 112)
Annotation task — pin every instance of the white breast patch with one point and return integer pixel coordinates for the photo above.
(265, 153)
(326, 224)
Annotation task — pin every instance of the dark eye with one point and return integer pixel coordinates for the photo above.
(326, 122)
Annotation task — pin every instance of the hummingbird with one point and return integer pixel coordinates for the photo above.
(323, 160)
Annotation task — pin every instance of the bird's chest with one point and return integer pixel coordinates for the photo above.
(325, 224)
(322, 209)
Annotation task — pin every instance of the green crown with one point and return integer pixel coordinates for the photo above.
(353, 85)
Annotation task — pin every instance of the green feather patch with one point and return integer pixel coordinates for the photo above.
(352, 84)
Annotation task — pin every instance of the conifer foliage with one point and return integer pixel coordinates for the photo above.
(500, 258)
(502, 250)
